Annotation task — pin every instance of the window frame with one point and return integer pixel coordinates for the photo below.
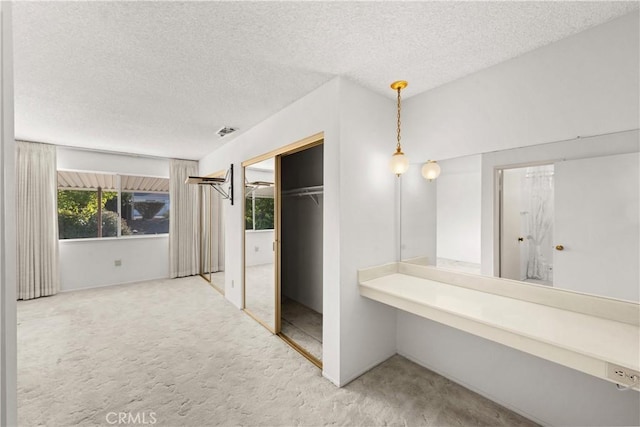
(118, 176)
(253, 215)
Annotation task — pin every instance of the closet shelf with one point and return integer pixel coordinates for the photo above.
(255, 186)
(312, 191)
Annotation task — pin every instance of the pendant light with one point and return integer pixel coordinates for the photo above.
(431, 170)
(399, 162)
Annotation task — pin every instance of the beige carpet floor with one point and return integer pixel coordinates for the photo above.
(177, 349)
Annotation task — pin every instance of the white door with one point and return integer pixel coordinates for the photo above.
(526, 224)
(512, 241)
(597, 220)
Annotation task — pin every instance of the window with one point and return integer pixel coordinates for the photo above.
(259, 212)
(92, 205)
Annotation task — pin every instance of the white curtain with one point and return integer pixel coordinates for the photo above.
(212, 230)
(184, 219)
(205, 209)
(539, 191)
(37, 220)
(217, 231)
(219, 220)
(216, 208)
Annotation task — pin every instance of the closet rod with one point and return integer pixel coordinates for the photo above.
(313, 192)
(304, 191)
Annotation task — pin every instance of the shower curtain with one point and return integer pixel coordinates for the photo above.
(539, 186)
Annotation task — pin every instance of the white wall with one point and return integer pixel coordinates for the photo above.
(536, 388)
(259, 246)
(89, 263)
(441, 218)
(367, 224)
(8, 328)
(311, 114)
(418, 223)
(584, 85)
(358, 215)
(458, 209)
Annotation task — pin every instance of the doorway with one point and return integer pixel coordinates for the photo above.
(573, 223)
(526, 223)
(283, 244)
(301, 228)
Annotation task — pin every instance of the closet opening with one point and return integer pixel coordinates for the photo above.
(283, 244)
(301, 241)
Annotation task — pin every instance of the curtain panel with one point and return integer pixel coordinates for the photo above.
(218, 230)
(211, 230)
(184, 219)
(37, 220)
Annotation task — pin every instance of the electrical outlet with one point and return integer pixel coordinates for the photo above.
(623, 376)
(257, 248)
(232, 284)
(117, 262)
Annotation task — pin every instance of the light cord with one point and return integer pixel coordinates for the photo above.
(398, 147)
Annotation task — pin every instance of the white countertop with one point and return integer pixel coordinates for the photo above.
(595, 337)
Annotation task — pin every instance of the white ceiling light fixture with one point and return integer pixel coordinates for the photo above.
(399, 163)
(431, 170)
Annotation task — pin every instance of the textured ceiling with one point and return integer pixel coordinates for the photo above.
(160, 78)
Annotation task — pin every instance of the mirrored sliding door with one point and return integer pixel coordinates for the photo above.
(212, 237)
(283, 243)
(260, 286)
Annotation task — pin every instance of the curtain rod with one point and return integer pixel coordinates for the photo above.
(95, 150)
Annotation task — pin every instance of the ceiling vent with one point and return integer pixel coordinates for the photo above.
(224, 131)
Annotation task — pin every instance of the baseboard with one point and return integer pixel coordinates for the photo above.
(113, 284)
(364, 371)
(481, 392)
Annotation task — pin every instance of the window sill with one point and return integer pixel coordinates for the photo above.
(111, 239)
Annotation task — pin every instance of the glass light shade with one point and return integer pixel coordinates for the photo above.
(431, 170)
(399, 163)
